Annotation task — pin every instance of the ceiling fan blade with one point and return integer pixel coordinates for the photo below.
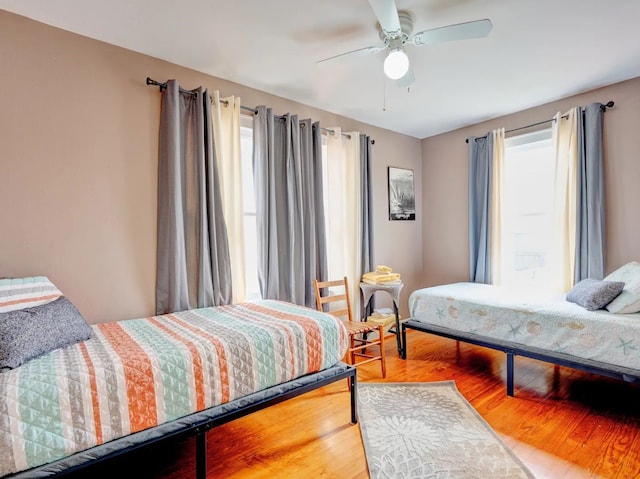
(365, 50)
(459, 31)
(387, 14)
(407, 80)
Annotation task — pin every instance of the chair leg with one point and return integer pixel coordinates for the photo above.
(352, 354)
(382, 359)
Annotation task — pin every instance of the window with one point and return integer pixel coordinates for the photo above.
(249, 205)
(527, 208)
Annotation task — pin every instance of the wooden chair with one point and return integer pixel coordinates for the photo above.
(357, 353)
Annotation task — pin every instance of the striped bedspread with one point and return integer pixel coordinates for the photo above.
(136, 374)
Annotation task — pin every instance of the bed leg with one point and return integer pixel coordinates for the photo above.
(556, 380)
(354, 405)
(399, 341)
(201, 455)
(510, 373)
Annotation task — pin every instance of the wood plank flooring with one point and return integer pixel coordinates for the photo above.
(574, 426)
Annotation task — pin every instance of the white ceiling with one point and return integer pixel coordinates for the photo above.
(538, 51)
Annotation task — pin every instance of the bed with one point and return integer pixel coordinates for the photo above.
(140, 381)
(548, 328)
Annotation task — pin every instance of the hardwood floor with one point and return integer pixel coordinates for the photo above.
(574, 426)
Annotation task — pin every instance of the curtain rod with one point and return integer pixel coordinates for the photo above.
(609, 104)
(162, 86)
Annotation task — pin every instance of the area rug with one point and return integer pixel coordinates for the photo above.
(414, 430)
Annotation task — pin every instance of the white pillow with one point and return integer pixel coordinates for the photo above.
(627, 272)
(628, 301)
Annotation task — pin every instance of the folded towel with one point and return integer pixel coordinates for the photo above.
(381, 277)
(384, 316)
(386, 321)
(381, 283)
(392, 278)
(383, 269)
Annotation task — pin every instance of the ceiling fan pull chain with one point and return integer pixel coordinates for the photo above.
(384, 94)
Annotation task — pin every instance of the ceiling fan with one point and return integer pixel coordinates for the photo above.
(395, 29)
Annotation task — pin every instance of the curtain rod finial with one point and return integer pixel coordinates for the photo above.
(609, 104)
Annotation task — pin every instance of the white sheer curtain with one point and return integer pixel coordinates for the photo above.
(563, 253)
(343, 211)
(498, 254)
(226, 132)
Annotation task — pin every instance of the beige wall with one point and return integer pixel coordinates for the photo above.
(78, 161)
(445, 192)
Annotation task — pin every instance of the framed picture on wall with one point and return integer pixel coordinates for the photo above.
(402, 200)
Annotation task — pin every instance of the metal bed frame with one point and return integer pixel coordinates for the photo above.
(512, 350)
(197, 424)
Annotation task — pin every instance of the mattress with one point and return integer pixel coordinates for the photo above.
(547, 322)
(136, 374)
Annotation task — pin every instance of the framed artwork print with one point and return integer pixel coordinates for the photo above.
(402, 201)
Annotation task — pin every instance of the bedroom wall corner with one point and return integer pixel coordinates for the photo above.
(398, 243)
(444, 233)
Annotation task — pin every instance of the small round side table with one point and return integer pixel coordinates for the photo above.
(394, 291)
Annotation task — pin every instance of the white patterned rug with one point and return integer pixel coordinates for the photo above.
(414, 430)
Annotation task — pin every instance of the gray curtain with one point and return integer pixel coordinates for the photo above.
(590, 235)
(480, 159)
(366, 186)
(287, 168)
(193, 266)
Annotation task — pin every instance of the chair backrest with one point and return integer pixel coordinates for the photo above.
(322, 286)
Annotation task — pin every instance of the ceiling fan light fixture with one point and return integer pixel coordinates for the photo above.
(396, 64)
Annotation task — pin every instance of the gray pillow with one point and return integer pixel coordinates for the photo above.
(594, 294)
(30, 332)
